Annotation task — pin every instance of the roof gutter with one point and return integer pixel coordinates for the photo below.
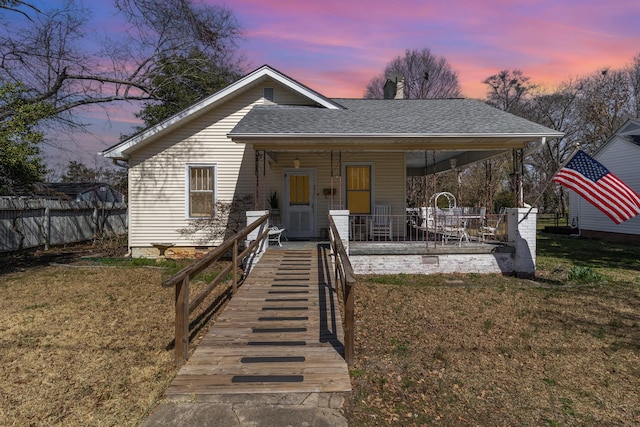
(238, 137)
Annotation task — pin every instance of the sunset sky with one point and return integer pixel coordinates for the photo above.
(336, 47)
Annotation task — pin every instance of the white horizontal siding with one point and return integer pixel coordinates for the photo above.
(283, 95)
(388, 179)
(622, 158)
(157, 175)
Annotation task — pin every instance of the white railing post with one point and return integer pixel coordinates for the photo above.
(253, 216)
(341, 220)
(521, 228)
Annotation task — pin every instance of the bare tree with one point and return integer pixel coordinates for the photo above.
(426, 76)
(49, 54)
(508, 90)
(17, 6)
(558, 111)
(228, 219)
(634, 82)
(606, 102)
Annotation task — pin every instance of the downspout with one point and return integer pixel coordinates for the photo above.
(578, 219)
(125, 165)
(257, 186)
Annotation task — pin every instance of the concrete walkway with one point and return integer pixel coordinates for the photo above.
(252, 410)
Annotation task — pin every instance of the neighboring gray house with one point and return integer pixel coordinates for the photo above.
(621, 155)
(73, 192)
(79, 192)
(268, 133)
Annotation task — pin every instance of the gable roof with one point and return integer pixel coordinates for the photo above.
(118, 151)
(629, 131)
(633, 138)
(458, 124)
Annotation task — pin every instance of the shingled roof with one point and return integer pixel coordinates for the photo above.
(365, 117)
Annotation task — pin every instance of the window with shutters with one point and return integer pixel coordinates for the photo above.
(201, 191)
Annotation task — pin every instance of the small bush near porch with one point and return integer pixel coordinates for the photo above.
(492, 350)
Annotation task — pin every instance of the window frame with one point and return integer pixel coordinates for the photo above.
(214, 177)
(371, 166)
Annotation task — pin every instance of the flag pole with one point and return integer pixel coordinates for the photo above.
(576, 148)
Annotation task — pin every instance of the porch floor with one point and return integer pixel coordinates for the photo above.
(404, 247)
(422, 248)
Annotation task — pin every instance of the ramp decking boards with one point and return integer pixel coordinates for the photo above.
(281, 332)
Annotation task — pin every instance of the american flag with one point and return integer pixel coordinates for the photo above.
(587, 177)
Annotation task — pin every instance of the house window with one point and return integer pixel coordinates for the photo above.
(358, 189)
(268, 93)
(201, 191)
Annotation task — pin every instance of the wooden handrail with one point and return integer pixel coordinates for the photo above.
(184, 307)
(345, 280)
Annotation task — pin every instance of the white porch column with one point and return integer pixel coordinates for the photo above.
(521, 223)
(253, 216)
(341, 219)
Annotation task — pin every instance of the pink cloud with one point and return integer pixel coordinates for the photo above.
(336, 47)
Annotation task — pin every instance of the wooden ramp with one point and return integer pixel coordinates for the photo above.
(281, 332)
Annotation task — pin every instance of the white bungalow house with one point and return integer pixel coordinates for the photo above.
(621, 155)
(268, 133)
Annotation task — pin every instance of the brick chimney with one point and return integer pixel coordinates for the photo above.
(400, 89)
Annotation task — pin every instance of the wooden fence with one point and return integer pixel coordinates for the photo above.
(28, 223)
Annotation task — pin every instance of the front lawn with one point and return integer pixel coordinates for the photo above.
(91, 343)
(491, 350)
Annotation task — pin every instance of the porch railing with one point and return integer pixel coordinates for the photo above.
(345, 280)
(184, 305)
(445, 227)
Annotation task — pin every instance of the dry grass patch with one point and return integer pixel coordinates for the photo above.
(86, 345)
(495, 355)
(491, 350)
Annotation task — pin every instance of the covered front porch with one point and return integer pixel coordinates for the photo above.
(299, 188)
(300, 177)
(366, 194)
(356, 156)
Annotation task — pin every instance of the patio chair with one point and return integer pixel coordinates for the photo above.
(454, 226)
(492, 231)
(381, 223)
(274, 236)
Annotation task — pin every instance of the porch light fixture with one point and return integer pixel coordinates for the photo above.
(453, 162)
(296, 163)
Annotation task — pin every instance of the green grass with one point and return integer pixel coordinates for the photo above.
(559, 249)
(585, 274)
(171, 266)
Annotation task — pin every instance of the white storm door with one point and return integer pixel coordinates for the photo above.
(299, 202)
